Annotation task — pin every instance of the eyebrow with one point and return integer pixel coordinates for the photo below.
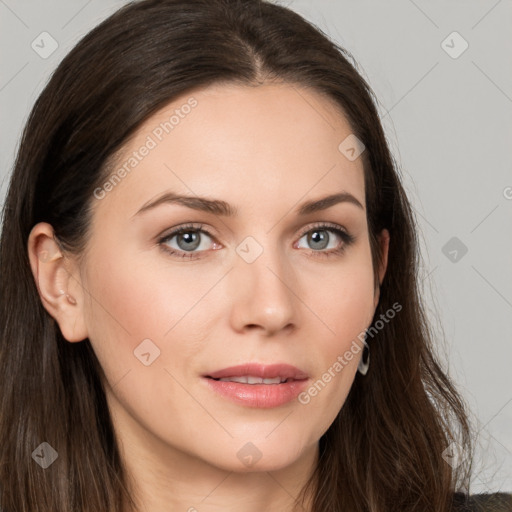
(219, 207)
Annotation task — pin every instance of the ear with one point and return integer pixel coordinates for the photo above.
(58, 282)
(383, 238)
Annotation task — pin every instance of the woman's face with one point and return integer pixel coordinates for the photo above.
(264, 285)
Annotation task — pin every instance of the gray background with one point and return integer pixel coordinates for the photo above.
(448, 120)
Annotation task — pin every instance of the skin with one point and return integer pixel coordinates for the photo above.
(265, 150)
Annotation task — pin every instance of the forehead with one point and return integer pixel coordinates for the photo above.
(263, 145)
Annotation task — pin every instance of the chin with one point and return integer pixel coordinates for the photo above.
(259, 455)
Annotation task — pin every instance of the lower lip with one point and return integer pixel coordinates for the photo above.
(263, 396)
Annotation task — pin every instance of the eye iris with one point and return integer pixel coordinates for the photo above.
(321, 239)
(190, 237)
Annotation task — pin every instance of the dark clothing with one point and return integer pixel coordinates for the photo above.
(495, 502)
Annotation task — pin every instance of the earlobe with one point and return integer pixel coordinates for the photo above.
(57, 282)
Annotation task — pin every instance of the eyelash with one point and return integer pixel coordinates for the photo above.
(347, 238)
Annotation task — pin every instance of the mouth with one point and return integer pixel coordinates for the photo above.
(251, 379)
(257, 385)
(254, 373)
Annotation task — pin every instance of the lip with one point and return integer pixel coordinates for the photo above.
(262, 396)
(285, 371)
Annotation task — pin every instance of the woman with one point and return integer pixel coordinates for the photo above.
(139, 373)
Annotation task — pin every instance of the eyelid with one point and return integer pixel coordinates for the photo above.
(191, 226)
(323, 225)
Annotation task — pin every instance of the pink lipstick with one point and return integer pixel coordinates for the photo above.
(258, 385)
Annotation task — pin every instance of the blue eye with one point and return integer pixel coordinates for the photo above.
(319, 238)
(190, 240)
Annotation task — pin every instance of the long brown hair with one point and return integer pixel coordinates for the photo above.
(384, 451)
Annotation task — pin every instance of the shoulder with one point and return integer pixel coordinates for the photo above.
(494, 502)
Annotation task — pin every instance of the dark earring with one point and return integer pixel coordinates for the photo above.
(364, 362)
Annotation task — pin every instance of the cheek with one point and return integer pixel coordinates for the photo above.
(346, 306)
(139, 297)
(135, 299)
(346, 303)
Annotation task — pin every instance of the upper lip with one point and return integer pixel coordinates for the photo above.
(284, 371)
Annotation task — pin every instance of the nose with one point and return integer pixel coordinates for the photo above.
(264, 295)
